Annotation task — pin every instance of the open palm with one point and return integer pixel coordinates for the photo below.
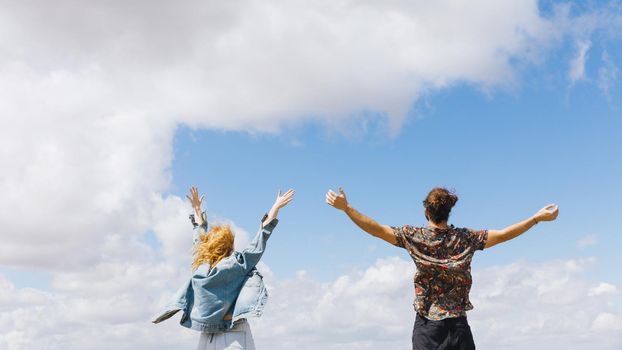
(283, 199)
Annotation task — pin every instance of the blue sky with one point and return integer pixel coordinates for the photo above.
(109, 115)
(507, 154)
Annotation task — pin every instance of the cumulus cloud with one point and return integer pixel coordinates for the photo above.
(603, 288)
(367, 309)
(607, 322)
(517, 306)
(92, 96)
(539, 306)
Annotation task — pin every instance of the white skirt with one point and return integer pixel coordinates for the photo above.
(237, 338)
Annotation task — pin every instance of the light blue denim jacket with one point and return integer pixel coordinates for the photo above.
(233, 286)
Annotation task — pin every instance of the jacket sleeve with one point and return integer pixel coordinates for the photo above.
(183, 300)
(251, 255)
(198, 230)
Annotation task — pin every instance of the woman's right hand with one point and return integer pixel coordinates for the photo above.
(548, 213)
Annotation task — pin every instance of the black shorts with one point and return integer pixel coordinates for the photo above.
(447, 334)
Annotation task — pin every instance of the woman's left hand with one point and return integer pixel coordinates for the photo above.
(283, 199)
(194, 198)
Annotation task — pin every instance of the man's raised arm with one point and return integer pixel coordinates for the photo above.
(367, 224)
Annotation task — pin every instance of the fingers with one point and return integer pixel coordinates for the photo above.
(555, 212)
(194, 192)
(341, 191)
(552, 210)
(331, 197)
(549, 212)
(283, 199)
(194, 196)
(330, 201)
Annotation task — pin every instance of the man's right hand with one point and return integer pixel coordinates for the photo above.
(338, 201)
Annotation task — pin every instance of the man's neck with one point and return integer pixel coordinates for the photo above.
(437, 225)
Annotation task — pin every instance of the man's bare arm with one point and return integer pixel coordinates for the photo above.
(548, 213)
(367, 224)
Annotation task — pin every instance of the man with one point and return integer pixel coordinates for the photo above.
(442, 254)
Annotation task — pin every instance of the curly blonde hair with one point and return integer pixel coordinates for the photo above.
(214, 246)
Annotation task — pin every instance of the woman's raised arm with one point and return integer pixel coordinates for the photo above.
(196, 203)
(199, 222)
(281, 201)
(251, 255)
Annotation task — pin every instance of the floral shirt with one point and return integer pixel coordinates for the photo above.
(443, 260)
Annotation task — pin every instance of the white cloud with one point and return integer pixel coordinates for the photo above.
(603, 288)
(606, 321)
(366, 309)
(536, 306)
(92, 97)
(576, 72)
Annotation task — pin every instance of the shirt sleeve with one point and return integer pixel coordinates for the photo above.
(251, 255)
(478, 238)
(198, 230)
(400, 235)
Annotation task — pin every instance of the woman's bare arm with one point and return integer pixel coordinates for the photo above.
(281, 201)
(196, 203)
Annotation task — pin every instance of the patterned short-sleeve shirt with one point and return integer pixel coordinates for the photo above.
(443, 260)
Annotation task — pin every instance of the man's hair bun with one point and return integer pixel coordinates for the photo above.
(439, 203)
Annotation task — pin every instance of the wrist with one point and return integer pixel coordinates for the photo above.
(273, 211)
(535, 220)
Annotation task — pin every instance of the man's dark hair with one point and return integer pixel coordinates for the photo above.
(439, 203)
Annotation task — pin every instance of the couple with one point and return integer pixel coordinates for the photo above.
(226, 288)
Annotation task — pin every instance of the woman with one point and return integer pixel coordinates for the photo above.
(442, 254)
(225, 287)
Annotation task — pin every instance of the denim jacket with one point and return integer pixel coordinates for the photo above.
(233, 286)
